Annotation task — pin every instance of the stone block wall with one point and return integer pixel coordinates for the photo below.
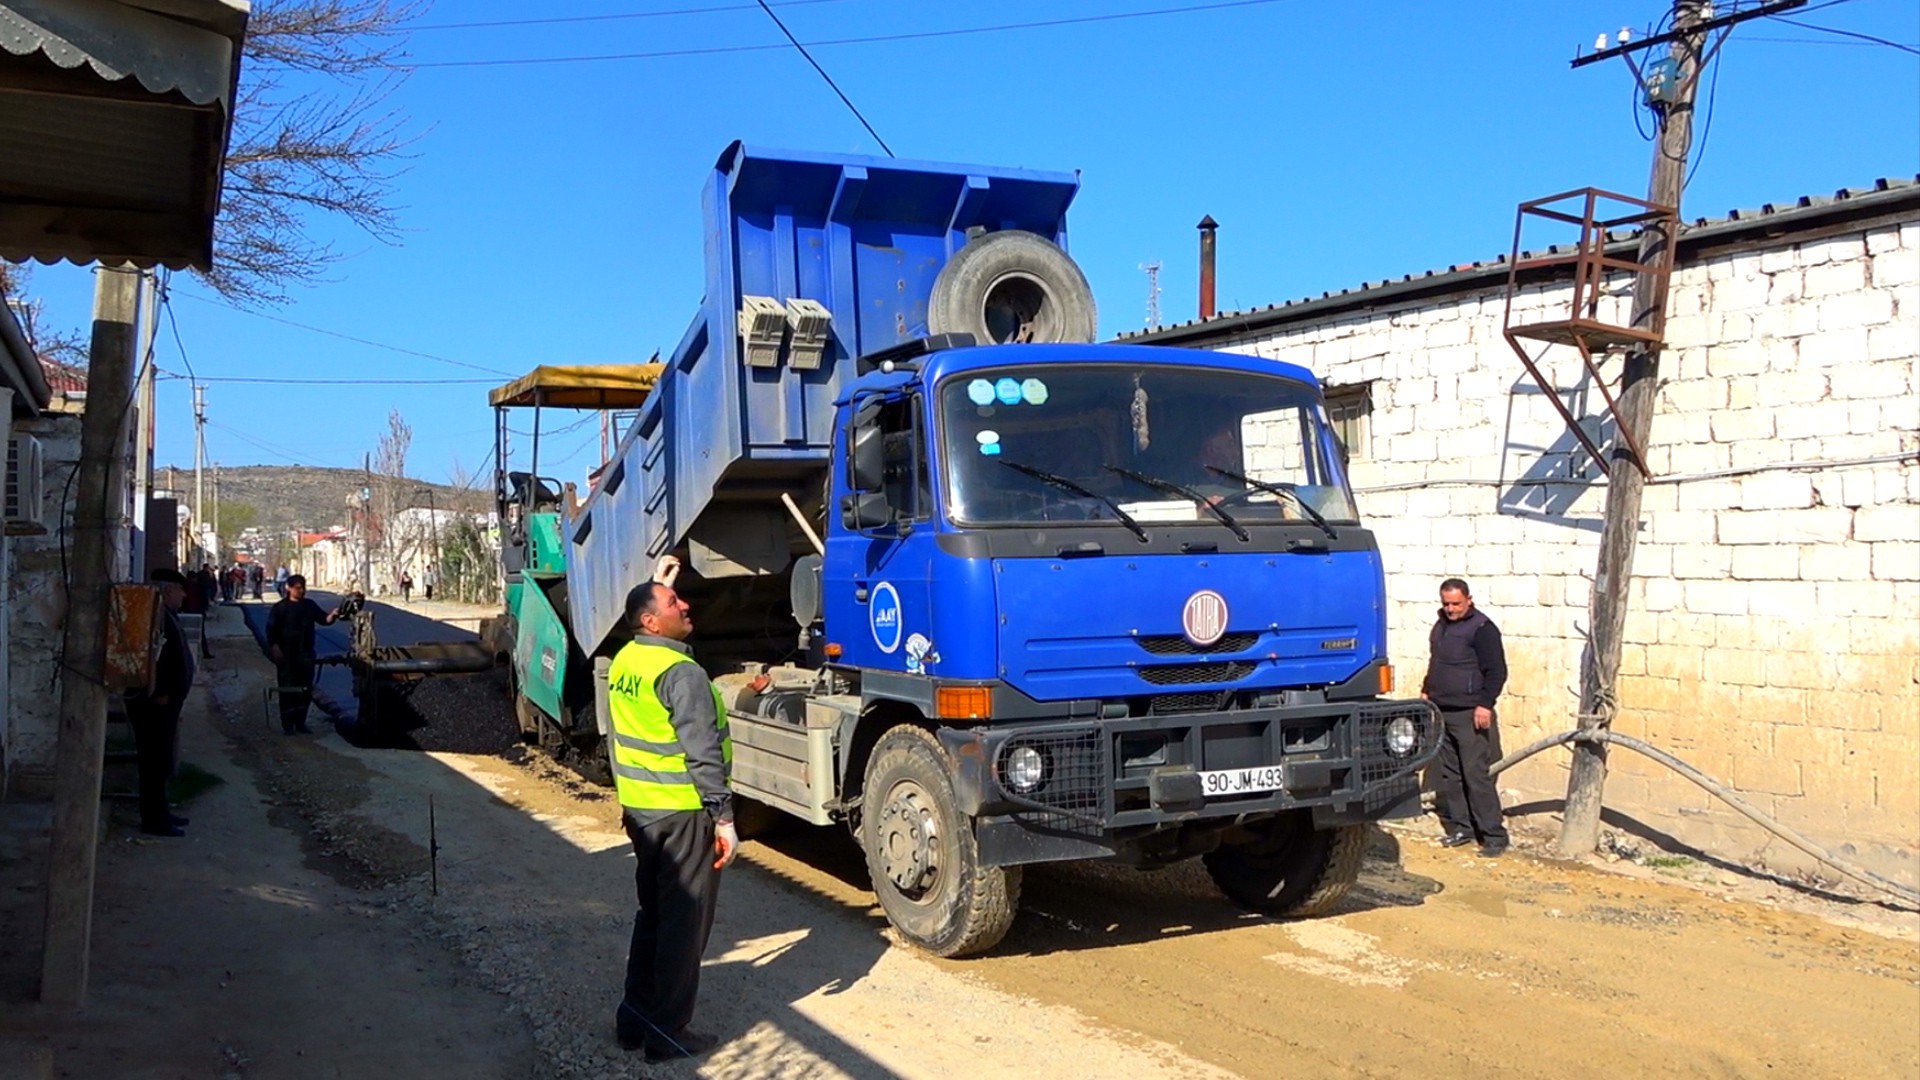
(1774, 635)
(35, 613)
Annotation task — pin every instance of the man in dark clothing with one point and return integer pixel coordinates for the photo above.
(155, 714)
(290, 626)
(1466, 670)
(671, 758)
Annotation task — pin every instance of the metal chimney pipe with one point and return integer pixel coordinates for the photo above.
(1207, 228)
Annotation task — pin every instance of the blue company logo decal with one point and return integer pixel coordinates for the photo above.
(884, 613)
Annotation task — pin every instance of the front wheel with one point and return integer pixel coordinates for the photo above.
(1289, 868)
(921, 852)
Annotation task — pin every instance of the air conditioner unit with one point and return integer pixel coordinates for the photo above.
(24, 498)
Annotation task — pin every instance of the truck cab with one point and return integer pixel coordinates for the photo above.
(1127, 591)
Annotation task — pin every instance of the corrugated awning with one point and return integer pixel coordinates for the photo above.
(581, 386)
(114, 120)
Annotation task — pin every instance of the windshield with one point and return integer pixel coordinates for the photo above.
(1079, 443)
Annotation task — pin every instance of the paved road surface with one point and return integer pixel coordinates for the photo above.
(333, 688)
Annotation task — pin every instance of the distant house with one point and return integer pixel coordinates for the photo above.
(1774, 636)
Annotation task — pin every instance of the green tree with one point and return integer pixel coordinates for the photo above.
(469, 562)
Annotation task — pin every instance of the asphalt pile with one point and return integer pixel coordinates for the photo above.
(464, 714)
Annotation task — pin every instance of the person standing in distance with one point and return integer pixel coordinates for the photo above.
(1466, 670)
(155, 714)
(671, 759)
(290, 625)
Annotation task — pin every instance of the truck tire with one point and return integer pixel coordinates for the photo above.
(1293, 870)
(1010, 287)
(921, 853)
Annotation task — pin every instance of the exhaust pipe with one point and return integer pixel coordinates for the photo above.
(1207, 229)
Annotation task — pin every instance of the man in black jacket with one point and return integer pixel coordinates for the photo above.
(290, 626)
(1466, 670)
(155, 714)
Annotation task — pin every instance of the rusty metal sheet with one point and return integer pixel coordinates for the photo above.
(133, 637)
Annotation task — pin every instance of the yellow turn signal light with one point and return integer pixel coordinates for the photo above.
(1386, 678)
(963, 702)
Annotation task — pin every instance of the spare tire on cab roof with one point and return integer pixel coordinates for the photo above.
(1012, 287)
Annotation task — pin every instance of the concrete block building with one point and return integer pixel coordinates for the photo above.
(1774, 634)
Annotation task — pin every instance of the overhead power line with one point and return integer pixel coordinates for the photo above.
(1867, 38)
(615, 17)
(356, 340)
(873, 40)
(844, 99)
(347, 383)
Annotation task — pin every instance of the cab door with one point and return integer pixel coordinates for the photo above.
(877, 570)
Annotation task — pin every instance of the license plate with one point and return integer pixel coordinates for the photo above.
(1243, 781)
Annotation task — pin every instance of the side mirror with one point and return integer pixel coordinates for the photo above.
(867, 459)
(864, 510)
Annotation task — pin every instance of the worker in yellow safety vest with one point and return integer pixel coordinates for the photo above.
(671, 758)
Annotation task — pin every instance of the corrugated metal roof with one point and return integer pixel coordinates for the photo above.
(114, 121)
(1806, 212)
(164, 53)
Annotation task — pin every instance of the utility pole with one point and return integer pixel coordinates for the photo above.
(144, 431)
(1676, 83)
(82, 740)
(199, 460)
(433, 523)
(366, 529)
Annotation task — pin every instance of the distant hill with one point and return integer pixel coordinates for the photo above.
(297, 497)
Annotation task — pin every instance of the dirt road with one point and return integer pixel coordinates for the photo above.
(1440, 965)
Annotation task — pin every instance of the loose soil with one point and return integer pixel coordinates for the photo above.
(480, 905)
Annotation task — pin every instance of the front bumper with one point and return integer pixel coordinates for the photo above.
(1107, 779)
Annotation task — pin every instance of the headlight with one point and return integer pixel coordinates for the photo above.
(1024, 769)
(1403, 737)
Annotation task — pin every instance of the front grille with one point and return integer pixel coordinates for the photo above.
(1377, 763)
(1174, 704)
(1182, 674)
(1175, 645)
(1072, 791)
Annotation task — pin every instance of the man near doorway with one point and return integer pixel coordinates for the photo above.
(290, 626)
(155, 714)
(1466, 670)
(671, 758)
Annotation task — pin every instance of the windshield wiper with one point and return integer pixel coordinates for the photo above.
(1172, 488)
(1067, 485)
(1272, 488)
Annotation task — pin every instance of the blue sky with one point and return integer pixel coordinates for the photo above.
(552, 210)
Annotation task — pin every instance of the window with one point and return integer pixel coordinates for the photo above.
(1069, 444)
(1349, 409)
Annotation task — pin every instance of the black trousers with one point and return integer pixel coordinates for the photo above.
(156, 730)
(677, 886)
(296, 692)
(1468, 799)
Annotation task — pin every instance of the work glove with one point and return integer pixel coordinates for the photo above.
(726, 844)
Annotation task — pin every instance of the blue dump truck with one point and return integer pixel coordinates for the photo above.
(980, 590)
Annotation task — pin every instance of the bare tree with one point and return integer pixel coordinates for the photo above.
(298, 148)
(66, 346)
(393, 535)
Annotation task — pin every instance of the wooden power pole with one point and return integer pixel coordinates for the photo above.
(81, 750)
(1693, 20)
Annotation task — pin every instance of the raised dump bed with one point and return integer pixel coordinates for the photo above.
(812, 260)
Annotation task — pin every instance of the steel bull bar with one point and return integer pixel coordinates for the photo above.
(1045, 792)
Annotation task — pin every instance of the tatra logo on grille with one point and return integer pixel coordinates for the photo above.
(1205, 618)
